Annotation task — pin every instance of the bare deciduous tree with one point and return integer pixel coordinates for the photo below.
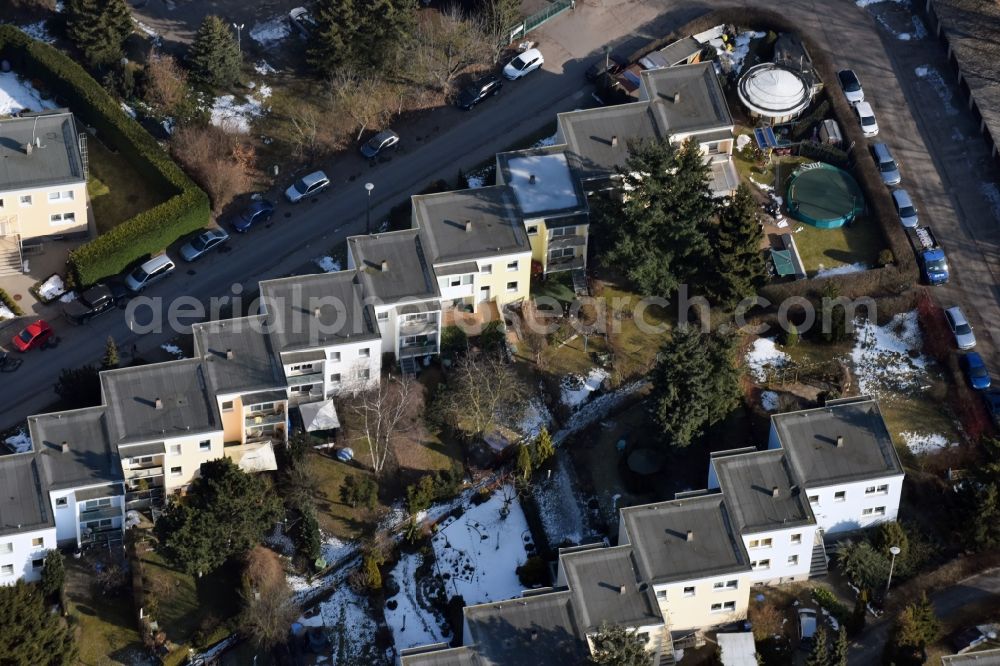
(166, 84)
(446, 44)
(268, 606)
(483, 392)
(367, 99)
(497, 19)
(382, 409)
(216, 160)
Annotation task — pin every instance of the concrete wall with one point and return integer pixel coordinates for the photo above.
(186, 453)
(857, 509)
(685, 610)
(34, 220)
(499, 276)
(781, 547)
(24, 550)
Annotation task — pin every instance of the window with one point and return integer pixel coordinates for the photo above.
(415, 341)
(793, 560)
(726, 585)
(301, 388)
(760, 543)
(98, 524)
(90, 505)
(420, 316)
(797, 538)
(661, 594)
(713, 148)
(458, 280)
(867, 512)
(175, 449)
(25, 199)
(883, 489)
(532, 229)
(644, 637)
(814, 499)
(512, 265)
(365, 352)
(300, 367)
(729, 606)
(62, 502)
(840, 496)
(689, 591)
(512, 287)
(262, 407)
(381, 316)
(227, 405)
(175, 471)
(205, 445)
(365, 374)
(880, 511)
(335, 378)
(7, 570)
(486, 269)
(38, 542)
(335, 356)
(1, 203)
(562, 253)
(38, 564)
(564, 231)
(66, 195)
(760, 564)
(870, 490)
(6, 548)
(62, 218)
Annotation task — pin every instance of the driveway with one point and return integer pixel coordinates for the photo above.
(946, 177)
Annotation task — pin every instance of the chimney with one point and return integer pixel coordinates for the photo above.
(534, 634)
(467, 225)
(158, 404)
(531, 179)
(385, 266)
(690, 535)
(621, 590)
(65, 447)
(614, 140)
(677, 98)
(38, 142)
(28, 148)
(774, 491)
(840, 441)
(316, 313)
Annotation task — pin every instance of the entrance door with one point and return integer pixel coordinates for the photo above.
(484, 294)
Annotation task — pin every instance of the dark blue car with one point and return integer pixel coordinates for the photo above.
(257, 212)
(975, 371)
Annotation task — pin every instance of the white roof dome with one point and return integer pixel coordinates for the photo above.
(773, 91)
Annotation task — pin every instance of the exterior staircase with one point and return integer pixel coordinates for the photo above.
(580, 286)
(10, 255)
(818, 566)
(408, 364)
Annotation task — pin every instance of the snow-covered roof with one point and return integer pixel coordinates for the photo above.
(773, 91)
(542, 181)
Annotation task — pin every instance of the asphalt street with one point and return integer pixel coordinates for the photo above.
(943, 161)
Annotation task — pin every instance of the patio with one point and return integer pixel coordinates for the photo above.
(472, 323)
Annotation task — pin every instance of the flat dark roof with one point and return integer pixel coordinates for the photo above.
(748, 483)
(131, 396)
(810, 439)
(24, 505)
(236, 355)
(533, 630)
(604, 583)
(439, 656)
(597, 139)
(658, 534)
(393, 267)
(90, 457)
(687, 98)
(291, 303)
(56, 162)
(467, 224)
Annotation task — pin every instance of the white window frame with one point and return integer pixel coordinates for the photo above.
(62, 502)
(880, 511)
(205, 445)
(510, 289)
(512, 266)
(38, 542)
(174, 450)
(335, 378)
(689, 591)
(335, 356)
(761, 565)
(365, 352)
(227, 405)
(38, 563)
(840, 496)
(793, 560)
(796, 538)
(729, 606)
(380, 316)
(661, 594)
(25, 200)
(6, 569)
(487, 269)
(62, 218)
(867, 512)
(532, 229)
(177, 471)
(564, 231)
(101, 503)
(365, 373)
(814, 499)
(870, 490)
(562, 252)
(883, 489)
(6, 548)
(722, 585)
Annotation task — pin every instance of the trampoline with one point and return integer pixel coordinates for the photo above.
(824, 196)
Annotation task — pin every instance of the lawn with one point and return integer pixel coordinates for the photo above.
(108, 632)
(117, 190)
(336, 517)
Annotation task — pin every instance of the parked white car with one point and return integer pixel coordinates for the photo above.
(960, 328)
(869, 126)
(306, 185)
(523, 64)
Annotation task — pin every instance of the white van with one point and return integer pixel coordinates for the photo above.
(151, 271)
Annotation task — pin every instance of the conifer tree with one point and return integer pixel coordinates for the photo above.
(617, 646)
(99, 29)
(214, 57)
(820, 653)
(544, 449)
(523, 462)
(31, 634)
(838, 655)
(739, 262)
(110, 359)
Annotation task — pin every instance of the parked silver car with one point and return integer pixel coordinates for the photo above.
(202, 243)
(308, 184)
(960, 328)
(905, 209)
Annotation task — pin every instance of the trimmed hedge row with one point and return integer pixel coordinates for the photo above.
(186, 210)
(887, 279)
(11, 304)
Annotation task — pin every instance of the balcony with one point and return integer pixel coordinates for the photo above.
(575, 240)
(114, 511)
(307, 378)
(143, 499)
(418, 350)
(144, 472)
(264, 419)
(418, 327)
(565, 264)
(102, 536)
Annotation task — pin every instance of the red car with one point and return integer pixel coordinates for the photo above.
(35, 335)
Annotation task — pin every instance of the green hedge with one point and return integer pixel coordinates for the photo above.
(187, 207)
(11, 304)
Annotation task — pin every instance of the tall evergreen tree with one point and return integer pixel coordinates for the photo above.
(544, 448)
(31, 634)
(332, 41)
(617, 646)
(110, 359)
(660, 233)
(523, 462)
(362, 34)
(225, 513)
(99, 29)
(694, 384)
(739, 262)
(838, 654)
(53, 573)
(820, 653)
(214, 57)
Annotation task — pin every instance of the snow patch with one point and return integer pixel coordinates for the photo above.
(173, 350)
(68, 297)
(886, 358)
(236, 117)
(270, 32)
(168, 125)
(941, 88)
(263, 68)
(327, 264)
(412, 621)
(769, 401)
(5, 312)
(732, 61)
(129, 110)
(559, 506)
(334, 549)
(842, 270)
(349, 624)
(148, 31)
(763, 355)
(19, 442)
(38, 30)
(536, 416)
(51, 289)
(547, 141)
(18, 95)
(576, 390)
(919, 443)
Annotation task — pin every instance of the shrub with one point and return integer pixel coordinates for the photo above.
(11, 304)
(430, 489)
(533, 572)
(827, 600)
(217, 160)
(185, 210)
(454, 341)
